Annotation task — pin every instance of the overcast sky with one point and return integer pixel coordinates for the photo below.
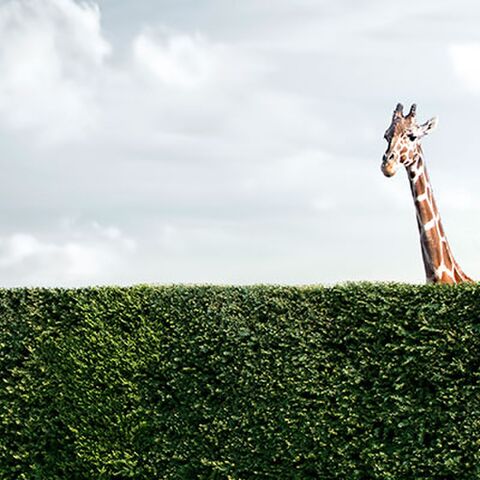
(230, 142)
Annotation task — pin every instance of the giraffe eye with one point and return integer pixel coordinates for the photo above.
(411, 137)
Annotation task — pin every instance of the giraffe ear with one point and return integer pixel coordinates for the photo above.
(427, 127)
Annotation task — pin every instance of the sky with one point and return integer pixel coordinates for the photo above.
(230, 142)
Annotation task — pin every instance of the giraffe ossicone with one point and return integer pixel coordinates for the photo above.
(403, 137)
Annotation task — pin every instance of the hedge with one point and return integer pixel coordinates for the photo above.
(357, 381)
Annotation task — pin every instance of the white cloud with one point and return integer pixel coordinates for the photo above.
(190, 60)
(57, 87)
(466, 64)
(175, 89)
(74, 256)
(176, 60)
(50, 56)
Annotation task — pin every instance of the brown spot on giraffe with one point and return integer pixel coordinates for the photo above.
(445, 278)
(421, 186)
(431, 240)
(425, 213)
(447, 259)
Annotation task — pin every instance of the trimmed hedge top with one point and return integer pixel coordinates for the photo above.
(358, 381)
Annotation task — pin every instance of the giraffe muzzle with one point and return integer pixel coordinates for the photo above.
(389, 167)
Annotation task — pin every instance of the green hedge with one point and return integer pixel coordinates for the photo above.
(358, 381)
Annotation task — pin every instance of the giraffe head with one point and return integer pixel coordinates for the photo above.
(403, 137)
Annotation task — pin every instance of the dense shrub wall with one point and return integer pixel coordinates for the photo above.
(357, 381)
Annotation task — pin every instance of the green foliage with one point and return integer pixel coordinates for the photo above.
(357, 381)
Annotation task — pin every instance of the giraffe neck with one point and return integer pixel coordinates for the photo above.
(440, 265)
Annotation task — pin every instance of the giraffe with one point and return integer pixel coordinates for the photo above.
(403, 137)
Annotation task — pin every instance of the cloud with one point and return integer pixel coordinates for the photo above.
(59, 85)
(51, 56)
(176, 90)
(176, 60)
(466, 64)
(90, 253)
